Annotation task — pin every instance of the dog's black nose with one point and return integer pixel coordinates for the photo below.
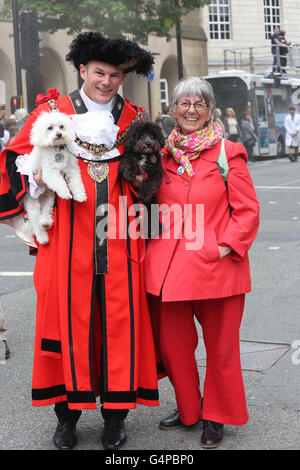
(58, 135)
(148, 143)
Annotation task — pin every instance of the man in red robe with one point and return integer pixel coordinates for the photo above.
(93, 331)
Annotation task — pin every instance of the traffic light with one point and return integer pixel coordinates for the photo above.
(30, 52)
(16, 102)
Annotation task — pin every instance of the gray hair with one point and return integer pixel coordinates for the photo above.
(20, 114)
(192, 86)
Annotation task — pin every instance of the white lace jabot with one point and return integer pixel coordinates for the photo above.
(95, 127)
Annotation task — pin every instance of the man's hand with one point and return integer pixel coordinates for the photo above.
(7, 222)
(139, 178)
(38, 178)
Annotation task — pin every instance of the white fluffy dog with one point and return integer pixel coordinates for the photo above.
(50, 135)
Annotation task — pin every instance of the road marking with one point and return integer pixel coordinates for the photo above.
(15, 273)
(278, 187)
(274, 247)
(291, 182)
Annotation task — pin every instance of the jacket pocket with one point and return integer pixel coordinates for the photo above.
(210, 250)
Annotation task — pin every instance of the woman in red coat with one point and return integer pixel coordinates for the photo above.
(199, 266)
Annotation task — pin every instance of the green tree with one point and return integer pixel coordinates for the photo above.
(134, 19)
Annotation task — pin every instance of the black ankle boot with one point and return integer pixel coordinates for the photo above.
(212, 434)
(113, 436)
(171, 422)
(65, 436)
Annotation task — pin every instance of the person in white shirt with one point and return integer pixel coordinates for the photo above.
(292, 129)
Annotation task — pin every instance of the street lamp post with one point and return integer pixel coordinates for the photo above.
(179, 45)
(17, 46)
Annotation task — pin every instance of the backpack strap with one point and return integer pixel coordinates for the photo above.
(222, 162)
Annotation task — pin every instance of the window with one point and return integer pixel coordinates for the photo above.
(164, 98)
(219, 21)
(272, 16)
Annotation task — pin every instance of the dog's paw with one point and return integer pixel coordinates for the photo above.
(80, 197)
(46, 222)
(42, 238)
(64, 194)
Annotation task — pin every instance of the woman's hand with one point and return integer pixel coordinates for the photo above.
(139, 178)
(224, 251)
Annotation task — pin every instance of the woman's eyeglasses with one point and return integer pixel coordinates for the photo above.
(185, 105)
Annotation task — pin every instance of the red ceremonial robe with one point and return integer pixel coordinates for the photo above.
(93, 329)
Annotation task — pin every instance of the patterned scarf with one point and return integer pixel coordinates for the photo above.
(185, 148)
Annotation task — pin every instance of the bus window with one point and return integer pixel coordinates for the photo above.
(261, 108)
(230, 92)
(280, 100)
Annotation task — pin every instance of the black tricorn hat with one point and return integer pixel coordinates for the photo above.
(127, 55)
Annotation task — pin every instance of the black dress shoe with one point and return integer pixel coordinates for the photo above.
(171, 422)
(65, 435)
(113, 436)
(212, 434)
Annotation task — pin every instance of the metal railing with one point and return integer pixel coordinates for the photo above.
(260, 59)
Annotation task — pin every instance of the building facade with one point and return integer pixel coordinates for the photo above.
(235, 26)
(54, 72)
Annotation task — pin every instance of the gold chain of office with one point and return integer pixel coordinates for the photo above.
(101, 149)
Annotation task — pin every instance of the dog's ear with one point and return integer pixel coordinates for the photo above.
(37, 129)
(35, 135)
(159, 135)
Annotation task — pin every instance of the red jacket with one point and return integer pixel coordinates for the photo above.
(178, 272)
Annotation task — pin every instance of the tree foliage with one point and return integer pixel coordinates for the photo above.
(134, 19)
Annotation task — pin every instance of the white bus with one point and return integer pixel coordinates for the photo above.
(269, 99)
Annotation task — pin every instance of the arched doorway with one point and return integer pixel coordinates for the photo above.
(168, 78)
(6, 75)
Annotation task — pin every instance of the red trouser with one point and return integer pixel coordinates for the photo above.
(224, 398)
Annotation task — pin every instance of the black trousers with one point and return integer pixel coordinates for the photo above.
(63, 413)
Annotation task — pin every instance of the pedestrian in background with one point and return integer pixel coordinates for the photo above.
(292, 132)
(276, 42)
(232, 130)
(248, 135)
(283, 51)
(217, 117)
(21, 115)
(13, 132)
(166, 121)
(3, 332)
(207, 282)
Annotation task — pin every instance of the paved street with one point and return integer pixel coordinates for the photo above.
(271, 317)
